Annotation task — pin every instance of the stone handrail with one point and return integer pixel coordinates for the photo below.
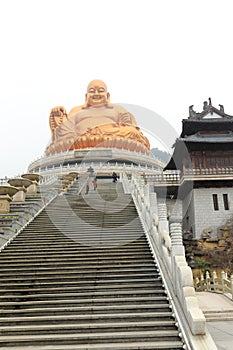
(166, 243)
(68, 157)
(213, 283)
(175, 177)
(171, 177)
(208, 171)
(4, 181)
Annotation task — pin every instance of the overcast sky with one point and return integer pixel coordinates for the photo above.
(161, 55)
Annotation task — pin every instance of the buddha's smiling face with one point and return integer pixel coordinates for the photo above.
(96, 93)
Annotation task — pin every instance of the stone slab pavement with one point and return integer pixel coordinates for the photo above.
(220, 309)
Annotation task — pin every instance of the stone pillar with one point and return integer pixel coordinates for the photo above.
(153, 203)
(176, 237)
(5, 200)
(32, 189)
(162, 212)
(146, 191)
(20, 195)
(163, 227)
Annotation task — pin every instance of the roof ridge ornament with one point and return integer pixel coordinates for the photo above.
(208, 108)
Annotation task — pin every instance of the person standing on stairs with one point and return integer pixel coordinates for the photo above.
(87, 187)
(95, 183)
(114, 177)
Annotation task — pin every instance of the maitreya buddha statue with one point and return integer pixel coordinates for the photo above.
(97, 123)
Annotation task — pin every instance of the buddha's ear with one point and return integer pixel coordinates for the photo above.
(108, 97)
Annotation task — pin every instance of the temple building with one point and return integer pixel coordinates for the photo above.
(203, 157)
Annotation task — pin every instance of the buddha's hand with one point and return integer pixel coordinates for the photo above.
(57, 116)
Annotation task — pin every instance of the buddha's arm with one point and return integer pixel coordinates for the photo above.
(57, 116)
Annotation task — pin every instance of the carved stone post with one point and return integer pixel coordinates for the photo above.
(6, 194)
(5, 203)
(176, 238)
(153, 203)
(163, 227)
(20, 195)
(21, 184)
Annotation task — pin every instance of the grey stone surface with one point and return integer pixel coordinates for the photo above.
(222, 334)
(218, 308)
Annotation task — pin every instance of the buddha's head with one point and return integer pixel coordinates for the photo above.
(97, 93)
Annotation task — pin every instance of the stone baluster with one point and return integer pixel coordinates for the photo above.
(153, 203)
(146, 190)
(223, 276)
(6, 196)
(208, 286)
(231, 287)
(163, 227)
(215, 281)
(176, 239)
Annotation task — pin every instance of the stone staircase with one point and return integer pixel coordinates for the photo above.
(81, 276)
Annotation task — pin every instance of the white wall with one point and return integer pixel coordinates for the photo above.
(203, 209)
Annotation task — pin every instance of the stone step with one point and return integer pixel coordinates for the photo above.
(85, 269)
(72, 263)
(90, 318)
(45, 288)
(139, 293)
(90, 338)
(121, 254)
(62, 228)
(87, 310)
(83, 301)
(149, 345)
(80, 271)
(77, 262)
(100, 283)
(59, 235)
(87, 327)
(218, 315)
(98, 277)
(46, 246)
(64, 242)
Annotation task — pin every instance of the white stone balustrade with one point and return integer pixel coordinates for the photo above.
(214, 283)
(167, 244)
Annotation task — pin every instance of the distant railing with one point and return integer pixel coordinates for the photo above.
(166, 177)
(208, 171)
(4, 181)
(175, 176)
(213, 283)
(97, 166)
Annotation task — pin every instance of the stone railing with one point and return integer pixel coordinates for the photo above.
(213, 283)
(4, 180)
(208, 171)
(93, 155)
(171, 177)
(165, 239)
(108, 167)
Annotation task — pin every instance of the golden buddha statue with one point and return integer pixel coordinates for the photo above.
(97, 123)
